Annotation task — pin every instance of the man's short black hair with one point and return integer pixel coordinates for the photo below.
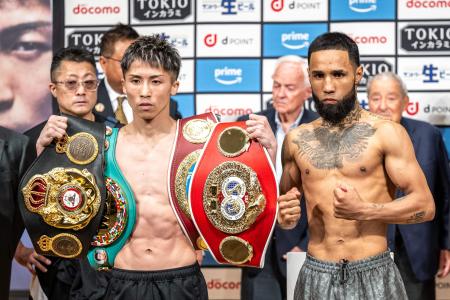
(117, 33)
(156, 51)
(335, 41)
(70, 54)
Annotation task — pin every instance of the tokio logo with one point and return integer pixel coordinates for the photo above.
(427, 4)
(277, 5)
(295, 40)
(362, 6)
(210, 39)
(228, 76)
(83, 9)
(89, 40)
(412, 108)
(372, 68)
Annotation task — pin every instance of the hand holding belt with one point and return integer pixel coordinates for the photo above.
(61, 193)
(233, 196)
(119, 215)
(191, 135)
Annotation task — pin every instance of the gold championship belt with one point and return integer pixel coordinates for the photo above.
(61, 195)
(233, 196)
(192, 133)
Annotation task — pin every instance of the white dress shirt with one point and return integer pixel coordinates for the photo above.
(125, 105)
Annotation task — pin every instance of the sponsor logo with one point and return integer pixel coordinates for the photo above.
(145, 10)
(412, 108)
(228, 76)
(230, 112)
(277, 5)
(426, 38)
(427, 4)
(210, 40)
(89, 40)
(362, 6)
(294, 40)
(436, 109)
(372, 68)
(83, 9)
(371, 39)
(229, 7)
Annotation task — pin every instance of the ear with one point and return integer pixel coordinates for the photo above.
(174, 88)
(124, 90)
(52, 88)
(405, 102)
(102, 61)
(359, 74)
(308, 91)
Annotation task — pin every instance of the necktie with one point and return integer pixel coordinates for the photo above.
(119, 113)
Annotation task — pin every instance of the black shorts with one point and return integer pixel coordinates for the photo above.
(177, 284)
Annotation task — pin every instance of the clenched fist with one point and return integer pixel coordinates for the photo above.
(289, 209)
(54, 129)
(347, 202)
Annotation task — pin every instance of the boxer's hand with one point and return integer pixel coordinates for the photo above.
(258, 128)
(444, 263)
(55, 128)
(289, 209)
(347, 202)
(28, 258)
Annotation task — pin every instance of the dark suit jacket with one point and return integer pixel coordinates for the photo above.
(103, 97)
(15, 157)
(423, 241)
(285, 240)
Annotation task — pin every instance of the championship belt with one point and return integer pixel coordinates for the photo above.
(119, 214)
(191, 135)
(61, 194)
(233, 196)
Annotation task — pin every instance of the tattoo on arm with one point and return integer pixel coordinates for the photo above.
(377, 206)
(416, 217)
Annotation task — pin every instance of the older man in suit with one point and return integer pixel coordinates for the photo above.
(290, 90)
(421, 250)
(15, 155)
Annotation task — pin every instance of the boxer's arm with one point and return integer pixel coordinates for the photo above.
(404, 171)
(54, 128)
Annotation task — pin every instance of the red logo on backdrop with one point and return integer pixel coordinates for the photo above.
(83, 9)
(373, 39)
(412, 108)
(427, 4)
(218, 284)
(210, 39)
(277, 5)
(229, 111)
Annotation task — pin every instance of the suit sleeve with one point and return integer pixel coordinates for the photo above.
(443, 192)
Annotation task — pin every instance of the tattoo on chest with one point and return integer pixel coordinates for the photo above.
(326, 148)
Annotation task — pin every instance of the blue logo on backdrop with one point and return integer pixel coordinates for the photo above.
(226, 75)
(362, 10)
(185, 104)
(284, 39)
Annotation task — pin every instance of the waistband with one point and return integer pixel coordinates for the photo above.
(368, 263)
(156, 275)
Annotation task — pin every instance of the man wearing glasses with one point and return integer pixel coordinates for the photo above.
(74, 85)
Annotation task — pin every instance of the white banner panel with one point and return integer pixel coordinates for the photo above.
(181, 36)
(186, 76)
(373, 38)
(228, 11)
(228, 40)
(268, 69)
(229, 106)
(223, 283)
(295, 10)
(99, 12)
(425, 73)
(423, 9)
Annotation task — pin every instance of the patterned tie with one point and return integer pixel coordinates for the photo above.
(119, 113)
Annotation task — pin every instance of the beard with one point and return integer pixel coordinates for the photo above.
(335, 113)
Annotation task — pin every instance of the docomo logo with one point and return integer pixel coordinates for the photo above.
(277, 5)
(370, 5)
(95, 10)
(372, 39)
(230, 112)
(301, 40)
(412, 108)
(218, 284)
(235, 74)
(210, 40)
(427, 4)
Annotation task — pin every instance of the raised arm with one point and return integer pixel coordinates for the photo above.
(290, 183)
(404, 171)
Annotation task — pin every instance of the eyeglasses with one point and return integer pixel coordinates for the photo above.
(112, 58)
(72, 85)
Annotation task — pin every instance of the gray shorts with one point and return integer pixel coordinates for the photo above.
(375, 277)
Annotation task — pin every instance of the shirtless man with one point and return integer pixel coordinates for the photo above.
(158, 261)
(348, 164)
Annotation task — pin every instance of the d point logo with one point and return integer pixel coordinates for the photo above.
(210, 40)
(277, 5)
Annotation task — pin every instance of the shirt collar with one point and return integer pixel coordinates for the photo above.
(293, 125)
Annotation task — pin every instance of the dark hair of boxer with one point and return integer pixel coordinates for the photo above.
(156, 51)
(70, 54)
(335, 41)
